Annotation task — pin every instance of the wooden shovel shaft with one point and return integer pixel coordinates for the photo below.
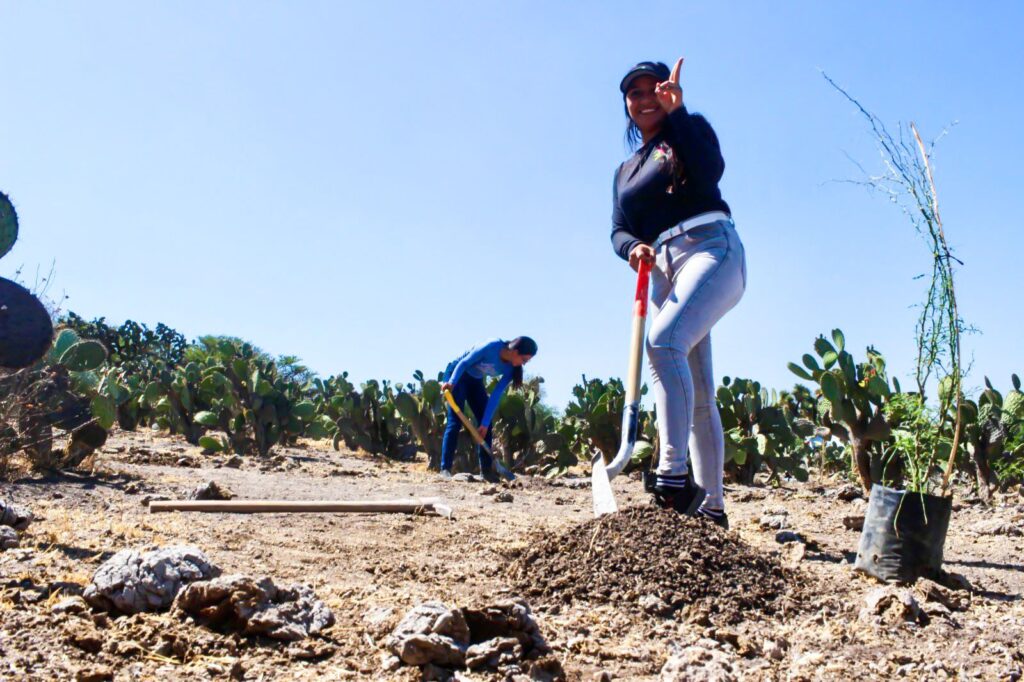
(636, 352)
(473, 433)
(409, 506)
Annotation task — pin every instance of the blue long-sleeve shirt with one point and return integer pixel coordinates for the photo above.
(672, 178)
(479, 362)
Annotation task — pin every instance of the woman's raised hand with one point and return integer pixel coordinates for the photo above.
(640, 252)
(669, 93)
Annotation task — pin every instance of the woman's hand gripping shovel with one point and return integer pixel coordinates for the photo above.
(601, 474)
(498, 467)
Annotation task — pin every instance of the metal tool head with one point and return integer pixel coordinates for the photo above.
(601, 487)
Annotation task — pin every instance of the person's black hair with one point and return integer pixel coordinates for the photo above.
(634, 138)
(523, 345)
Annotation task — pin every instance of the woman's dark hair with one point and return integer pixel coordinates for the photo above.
(523, 345)
(633, 136)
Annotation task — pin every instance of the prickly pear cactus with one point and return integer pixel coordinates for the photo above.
(8, 225)
(25, 326)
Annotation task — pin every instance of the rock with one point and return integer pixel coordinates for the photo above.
(506, 636)
(389, 663)
(431, 633)
(996, 527)
(699, 664)
(255, 607)
(786, 536)
(774, 649)
(14, 516)
(849, 492)
(70, 605)
(489, 490)
(894, 605)
(774, 521)
(187, 462)
(132, 581)
(503, 496)
(234, 461)
(494, 652)
(795, 553)
(655, 605)
(467, 478)
(134, 488)
(211, 491)
(8, 538)
(854, 522)
(96, 673)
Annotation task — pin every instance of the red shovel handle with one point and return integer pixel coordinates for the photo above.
(643, 280)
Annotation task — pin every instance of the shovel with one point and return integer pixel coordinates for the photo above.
(601, 475)
(475, 435)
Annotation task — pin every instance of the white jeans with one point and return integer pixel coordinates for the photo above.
(698, 277)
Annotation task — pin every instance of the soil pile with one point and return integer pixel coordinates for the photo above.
(656, 561)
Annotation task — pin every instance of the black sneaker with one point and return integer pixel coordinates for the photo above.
(719, 518)
(490, 476)
(686, 500)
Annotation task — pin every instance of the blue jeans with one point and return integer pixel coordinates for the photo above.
(468, 389)
(698, 278)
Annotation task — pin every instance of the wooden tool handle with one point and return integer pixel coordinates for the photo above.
(473, 433)
(636, 350)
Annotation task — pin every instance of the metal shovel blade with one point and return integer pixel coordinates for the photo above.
(604, 498)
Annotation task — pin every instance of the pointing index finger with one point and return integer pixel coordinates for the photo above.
(675, 71)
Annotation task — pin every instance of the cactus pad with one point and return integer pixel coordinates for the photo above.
(8, 225)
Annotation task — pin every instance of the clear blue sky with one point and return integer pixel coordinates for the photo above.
(375, 187)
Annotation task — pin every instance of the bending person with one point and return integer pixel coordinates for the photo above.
(465, 376)
(668, 211)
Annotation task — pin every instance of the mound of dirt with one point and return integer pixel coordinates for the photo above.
(649, 559)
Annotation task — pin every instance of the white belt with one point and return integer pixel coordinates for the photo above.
(689, 224)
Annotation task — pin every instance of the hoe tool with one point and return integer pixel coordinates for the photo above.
(601, 474)
(477, 438)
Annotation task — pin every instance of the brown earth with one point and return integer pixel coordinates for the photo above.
(617, 596)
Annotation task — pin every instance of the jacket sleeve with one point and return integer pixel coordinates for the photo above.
(495, 400)
(694, 140)
(623, 241)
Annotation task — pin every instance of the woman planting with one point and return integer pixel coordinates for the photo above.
(669, 212)
(465, 376)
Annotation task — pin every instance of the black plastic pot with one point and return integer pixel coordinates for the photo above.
(904, 534)
(25, 327)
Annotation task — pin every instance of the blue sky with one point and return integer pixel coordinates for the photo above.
(375, 187)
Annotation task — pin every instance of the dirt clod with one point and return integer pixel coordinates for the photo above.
(621, 558)
(211, 491)
(14, 516)
(8, 538)
(132, 581)
(256, 607)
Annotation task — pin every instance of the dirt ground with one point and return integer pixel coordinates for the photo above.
(372, 568)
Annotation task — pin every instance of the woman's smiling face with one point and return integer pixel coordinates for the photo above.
(643, 106)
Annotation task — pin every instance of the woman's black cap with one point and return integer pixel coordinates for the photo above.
(656, 69)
